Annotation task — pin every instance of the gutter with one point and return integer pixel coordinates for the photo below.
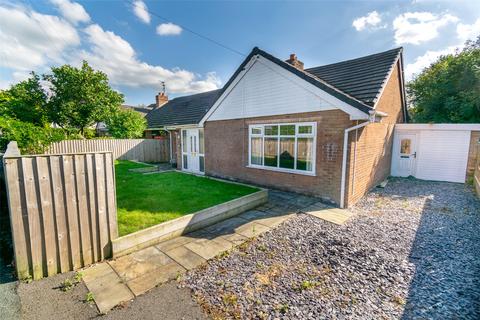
(345, 151)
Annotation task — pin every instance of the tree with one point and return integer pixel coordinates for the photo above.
(80, 97)
(125, 124)
(25, 101)
(449, 89)
(31, 139)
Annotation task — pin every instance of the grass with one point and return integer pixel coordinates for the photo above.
(147, 200)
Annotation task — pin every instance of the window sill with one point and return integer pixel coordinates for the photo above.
(303, 173)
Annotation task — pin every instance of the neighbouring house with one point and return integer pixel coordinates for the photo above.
(325, 131)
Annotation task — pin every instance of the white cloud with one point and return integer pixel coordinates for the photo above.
(418, 27)
(30, 39)
(168, 29)
(468, 31)
(116, 57)
(33, 41)
(72, 11)
(426, 60)
(372, 19)
(141, 11)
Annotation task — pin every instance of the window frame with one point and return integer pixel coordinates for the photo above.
(279, 136)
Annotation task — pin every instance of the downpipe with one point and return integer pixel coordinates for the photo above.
(345, 152)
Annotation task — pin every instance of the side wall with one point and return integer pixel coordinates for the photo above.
(474, 153)
(370, 148)
(226, 153)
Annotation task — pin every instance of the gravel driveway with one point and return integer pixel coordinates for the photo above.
(411, 251)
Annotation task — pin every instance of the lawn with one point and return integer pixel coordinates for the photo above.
(144, 200)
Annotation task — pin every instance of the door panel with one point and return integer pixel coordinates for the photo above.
(191, 156)
(405, 154)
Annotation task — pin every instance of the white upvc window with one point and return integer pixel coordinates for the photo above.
(286, 147)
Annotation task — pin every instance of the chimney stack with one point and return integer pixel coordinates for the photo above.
(160, 99)
(295, 62)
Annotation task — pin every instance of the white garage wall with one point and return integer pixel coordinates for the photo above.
(442, 150)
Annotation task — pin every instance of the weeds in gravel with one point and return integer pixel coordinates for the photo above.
(283, 308)
(399, 300)
(262, 247)
(90, 298)
(230, 299)
(307, 284)
(69, 283)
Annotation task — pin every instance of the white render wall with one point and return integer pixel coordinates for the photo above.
(266, 89)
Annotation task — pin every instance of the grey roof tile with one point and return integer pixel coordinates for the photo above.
(182, 110)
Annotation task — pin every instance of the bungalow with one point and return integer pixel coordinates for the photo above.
(325, 131)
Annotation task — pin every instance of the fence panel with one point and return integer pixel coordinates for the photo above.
(476, 176)
(62, 210)
(147, 150)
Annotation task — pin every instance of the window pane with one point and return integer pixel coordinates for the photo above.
(184, 140)
(201, 141)
(287, 130)
(305, 129)
(202, 164)
(287, 152)
(271, 152)
(271, 130)
(256, 151)
(405, 146)
(257, 130)
(185, 164)
(305, 154)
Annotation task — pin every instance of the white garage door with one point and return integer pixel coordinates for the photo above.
(443, 155)
(440, 155)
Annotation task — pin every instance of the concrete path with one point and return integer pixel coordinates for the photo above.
(127, 277)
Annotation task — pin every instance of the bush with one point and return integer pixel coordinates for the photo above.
(31, 139)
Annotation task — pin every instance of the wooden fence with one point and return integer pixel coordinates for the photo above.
(147, 150)
(62, 210)
(476, 176)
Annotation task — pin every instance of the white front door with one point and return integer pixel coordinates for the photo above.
(191, 150)
(405, 155)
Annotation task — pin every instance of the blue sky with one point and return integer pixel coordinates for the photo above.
(138, 50)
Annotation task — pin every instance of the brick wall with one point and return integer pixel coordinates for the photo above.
(226, 154)
(474, 152)
(226, 150)
(371, 163)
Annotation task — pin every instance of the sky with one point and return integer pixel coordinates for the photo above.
(195, 46)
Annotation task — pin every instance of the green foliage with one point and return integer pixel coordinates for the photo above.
(31, 139)
(80, 96)
(90, 298)
(25, 101)
(125, 124)
(449, 89)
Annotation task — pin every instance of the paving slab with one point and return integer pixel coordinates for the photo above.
(151, 279)
(106, 286)
(208, 249)
(185, 257)
(131, 266)
(251, 229)
(333, 215)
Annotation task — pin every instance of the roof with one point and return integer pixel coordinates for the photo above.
(362, 78)
(357, 82)
(182, 110)
(142, 110)
(350, 92)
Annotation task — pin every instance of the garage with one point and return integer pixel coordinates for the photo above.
(440, 152)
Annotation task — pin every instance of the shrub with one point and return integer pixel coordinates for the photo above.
(31, 139)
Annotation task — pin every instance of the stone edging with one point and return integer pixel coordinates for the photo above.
(188, 223)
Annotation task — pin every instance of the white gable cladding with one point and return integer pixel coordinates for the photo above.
(266, 89)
